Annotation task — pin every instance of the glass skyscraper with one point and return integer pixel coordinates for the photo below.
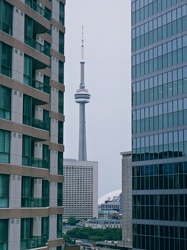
(159, 124)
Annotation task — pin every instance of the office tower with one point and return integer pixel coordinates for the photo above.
(80, 191)
(159, 124)
(31, 124)
(82, 97)
(127, 199)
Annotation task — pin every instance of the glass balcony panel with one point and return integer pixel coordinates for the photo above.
(39, 47)
(34, 162)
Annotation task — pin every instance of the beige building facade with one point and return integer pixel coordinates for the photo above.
(31, 124)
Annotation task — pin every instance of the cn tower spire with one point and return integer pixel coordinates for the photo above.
(82, 97)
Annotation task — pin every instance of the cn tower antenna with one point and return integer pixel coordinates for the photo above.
(82, 45)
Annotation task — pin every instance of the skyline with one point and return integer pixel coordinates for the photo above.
(107, 76)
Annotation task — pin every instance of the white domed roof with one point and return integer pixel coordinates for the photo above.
(110, 195)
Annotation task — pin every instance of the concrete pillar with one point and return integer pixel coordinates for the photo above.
(15, 191)
(16, 149)
(14, 234)
(17, 107)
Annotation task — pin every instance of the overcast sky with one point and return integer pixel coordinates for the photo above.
(107, 78)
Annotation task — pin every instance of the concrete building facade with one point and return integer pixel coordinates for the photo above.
(159, 124)
(127, 199)
(31, 124)
(80, 191)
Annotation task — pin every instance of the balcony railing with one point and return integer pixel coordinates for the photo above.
(31, 121)
(34, 162)
(34, 242)
(41, 48)
(44, 87)
(34, 202)
(6, 28)
(42, 11)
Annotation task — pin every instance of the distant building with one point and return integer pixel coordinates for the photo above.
(111, 204)
(127, 199)
(80, 190)
(102, 223)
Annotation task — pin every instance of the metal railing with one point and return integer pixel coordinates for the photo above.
(44, 87)
(42, 11)
(31, 121)
(34, 162)
(34, 202)
(34, 44)
(34, 242)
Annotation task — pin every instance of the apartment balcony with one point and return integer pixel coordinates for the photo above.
(34, 242)
(33, 122)
(42, 10)
(35, 162)
(34, 202)
(42, 86)
(39, 47)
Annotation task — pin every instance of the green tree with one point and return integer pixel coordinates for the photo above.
(71, 221)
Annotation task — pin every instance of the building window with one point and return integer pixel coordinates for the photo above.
(5, 59)
(60, 163)
(4, 146)
(61, 72)
(4, 190)
(5, 103)
(61, 42)
(28, 198)
(59, 194)
(6, 17)
(27, 70)
(62, 13)
(60, 132)
(4, 234)
(59, 226)
(45, 228)
(60, 102)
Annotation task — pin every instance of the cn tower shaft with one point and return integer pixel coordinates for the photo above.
(82, 97)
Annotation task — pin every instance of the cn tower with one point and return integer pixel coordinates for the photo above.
(82, 97)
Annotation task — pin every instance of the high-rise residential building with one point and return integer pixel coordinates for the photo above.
(159, 124)
(80, 191)
(127, 199)
(31, 124)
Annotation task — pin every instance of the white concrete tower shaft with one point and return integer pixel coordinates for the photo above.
(82, 97)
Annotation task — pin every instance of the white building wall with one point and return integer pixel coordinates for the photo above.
(53, 194)
(53, 162)
(17, 65)
(15, 191)
(37, 226)
(54, 131)
(38, 150)
(17, 106)
(55, 38)
(54, 68)
(16, 149)
(14, 234)
(18, 24)
(52, 227)
(54, 100)
(55, 10)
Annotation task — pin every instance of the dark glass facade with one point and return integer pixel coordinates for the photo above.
(159, 124)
